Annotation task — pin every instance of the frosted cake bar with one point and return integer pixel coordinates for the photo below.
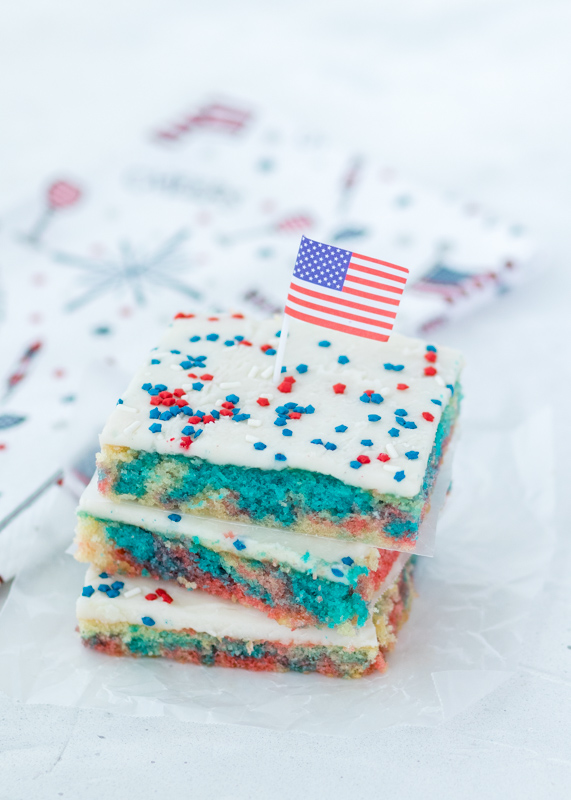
(295, 579)
(141, 617)
(348, 445)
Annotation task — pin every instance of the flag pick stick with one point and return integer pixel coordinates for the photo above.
(281, 350)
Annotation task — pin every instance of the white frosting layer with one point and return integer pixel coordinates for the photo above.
(203, 613)
(312, 554)
(246, 371)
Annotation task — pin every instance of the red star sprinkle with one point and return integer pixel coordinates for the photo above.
(383, 457)
(165, 394)
(185, 442)
(339, 388)
(225, 412)
(294, 415)
(151, 596)
(227, 404)
(177, 393)
(402, 386)
(180, 315)
(245, 342)
(285, 387)
(364, 459)
(181, 403)
(428, 416)
(207, 418)
(194, 420)
(155, 401)
(430, 356)
(192, 375)
(289, 379)
(169, 401)
(237, 316)
(429, 371)
(369, 392)
(165, 596)
(207, 377)
(265, 347)
(263, 401)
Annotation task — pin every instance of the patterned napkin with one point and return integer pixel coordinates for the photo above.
(206, 212)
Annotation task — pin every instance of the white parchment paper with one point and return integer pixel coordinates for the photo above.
(463, 638)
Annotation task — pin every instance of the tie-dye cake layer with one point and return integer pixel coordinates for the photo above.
(348, 445)
(140, 617)
(295, 579)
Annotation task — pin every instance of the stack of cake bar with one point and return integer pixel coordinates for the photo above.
(235, 522)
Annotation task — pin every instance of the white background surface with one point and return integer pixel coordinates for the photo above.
(471, 96)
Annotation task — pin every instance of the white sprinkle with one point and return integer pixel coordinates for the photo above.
(254, 423)
(439, 380)
(132, 592)
(176, 367)
(130, 409)
(186, 386)
(267, 372)
(391, 450)
(390, 468)
(253, 372)
(229, 384)
(251, 439)
(132, 427)
(219, 402)
(267, 396)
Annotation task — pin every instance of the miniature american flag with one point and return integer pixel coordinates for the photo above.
(348, 292)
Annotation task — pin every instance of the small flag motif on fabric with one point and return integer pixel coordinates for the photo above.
(345, 291)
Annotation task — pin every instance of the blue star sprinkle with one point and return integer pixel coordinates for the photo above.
(399, 476)
(175, 517)
(412, 454)
(239, 545)
(341, 428)
(343, 360)
(374, 417)
(149, 621)
(87, 591)
(260, 446)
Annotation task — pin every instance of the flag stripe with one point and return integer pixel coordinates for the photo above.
(377, 273)
(384, 263)
(336, 312)
(392, 301)
(363, 281)
(337, 298)
(324, 323)
(385, 286)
